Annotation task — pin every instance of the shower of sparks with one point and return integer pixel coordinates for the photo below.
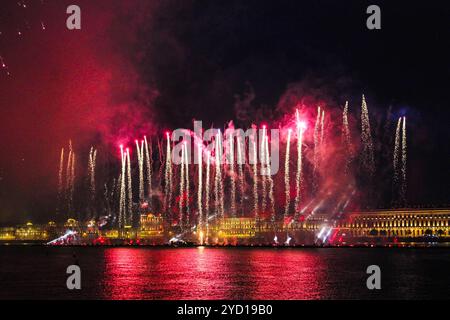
(241, 160)
(148, 162)
(255, 180)
(168, 177)
(91, 172)
(346, 137)
(130, 190)
(140, 158)
(181, 189)
(186, 163)
(207, 190)
(395, 164)
(298, 177)
(286, 176)
(200, 187)
(404, 182)
(232, 175)
(368, 161)
(316, 150)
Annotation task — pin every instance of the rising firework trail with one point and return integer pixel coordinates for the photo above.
(287, 191)
(404, 184)
(168, 178)
(395, 164)
(346, 137)
(316, 150)
(122, 200)
(298, 177)
(232, 175)
(140, 158)
(241, 160)
(263, 168)
(207, 192)
(148, 162)
(186, 163)
(200, 188)
(368, 161)
(269, 179)
(60, 179)
(130, 190)
(255, 180)
(91, 172)
(181, 189)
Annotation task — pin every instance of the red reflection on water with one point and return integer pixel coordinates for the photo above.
(213, 273)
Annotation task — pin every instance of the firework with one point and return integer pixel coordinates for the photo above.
(263, 168)
(232, 176)
(130, 190)
(148, 162)
(269, 179)
(368, 161)
(241, 176)
(403, 188)
(200, 187)
(181, 189)
(346, 137)
(91, 173)
(168, 178)
(207, 187)
(316, 150)
(395, 163)
(186, 162)
(298, 177)
(140, 158)
(286, 175)
(255, 180)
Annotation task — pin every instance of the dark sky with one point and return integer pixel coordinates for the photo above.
(143, 66)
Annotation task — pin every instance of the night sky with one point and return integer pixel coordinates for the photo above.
(145, 66)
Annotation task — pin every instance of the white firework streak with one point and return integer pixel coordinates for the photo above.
(130, 190)
(286, 176)
(263, 169)
(181, 189)
(148, 162)
(200, 187)
(241, 176)
(404, 182)
(140, 158)
(366, 136)
(187, 184)
(269, 178)
(298, 176)
(255, 180)
(395, 160)
(232, 177)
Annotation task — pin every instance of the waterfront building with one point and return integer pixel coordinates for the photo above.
(397, 223)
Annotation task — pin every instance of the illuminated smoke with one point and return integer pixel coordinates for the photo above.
(404, 182)
(368, 162)
(286, 175)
